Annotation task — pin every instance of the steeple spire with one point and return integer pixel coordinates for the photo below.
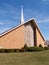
(22, 18)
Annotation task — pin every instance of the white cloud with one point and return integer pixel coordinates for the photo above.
(39, 16)
(5, 22)
(15, 17)
(43, 20)
(1, 23)
(45, 0)
(8, 10)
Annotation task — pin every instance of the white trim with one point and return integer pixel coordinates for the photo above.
(39, 29)
(10, 30)
(20, 25)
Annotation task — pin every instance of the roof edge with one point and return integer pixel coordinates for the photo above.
(2, 34)
(7, 31)
(39, 30)
(37, 27)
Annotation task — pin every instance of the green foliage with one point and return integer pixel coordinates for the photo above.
(46, 48)
(24, 49)
(8, 50)
(30, 49)
(2, 50)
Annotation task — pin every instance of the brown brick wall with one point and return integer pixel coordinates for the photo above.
(16, 38)
(39, 38)
(13, 39)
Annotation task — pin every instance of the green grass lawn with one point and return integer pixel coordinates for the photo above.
(25, 58)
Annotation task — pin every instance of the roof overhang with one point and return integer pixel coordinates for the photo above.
(36, 25)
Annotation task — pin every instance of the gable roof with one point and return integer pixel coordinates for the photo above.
(34, 23)
(30, 20)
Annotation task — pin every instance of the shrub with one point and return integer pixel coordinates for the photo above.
(46, 48)
(24, 48)
(30, 49)
(2, 50)
(8, 50)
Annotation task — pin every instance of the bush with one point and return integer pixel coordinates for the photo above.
(24, 48)
(2, 50)
(8, 50)
(30, 49)
(46, 48)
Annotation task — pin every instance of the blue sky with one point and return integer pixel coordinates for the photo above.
(10, 14)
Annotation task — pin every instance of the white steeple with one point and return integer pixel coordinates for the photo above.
(22, 18)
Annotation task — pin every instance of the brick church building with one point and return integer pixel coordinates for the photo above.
(26, 33)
